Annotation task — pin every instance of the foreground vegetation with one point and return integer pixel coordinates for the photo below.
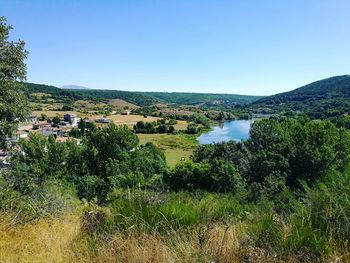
(231, 202)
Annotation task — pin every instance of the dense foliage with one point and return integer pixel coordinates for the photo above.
(142, 98)
(321, 99)
(208, 99)
(108, 158)
(89, 94)
(12, 72)
(160, 126)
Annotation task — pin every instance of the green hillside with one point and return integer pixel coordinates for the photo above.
(143, 98)
(72, 94)
(324, 98)
(208, 99)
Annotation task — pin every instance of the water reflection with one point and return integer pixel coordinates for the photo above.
(229, 130)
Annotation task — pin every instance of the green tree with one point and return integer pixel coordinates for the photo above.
(171, 129)
(43, 117)
(13, 105)
(40, 159)
(110, 157)
(56, 120)
(216, 176)
(192, 128)
(296, 149)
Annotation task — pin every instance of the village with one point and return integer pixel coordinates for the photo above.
(60, 124)
(58, 127)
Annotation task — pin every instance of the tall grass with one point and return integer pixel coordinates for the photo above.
(152, 211)
(46, 240)
(145, 226)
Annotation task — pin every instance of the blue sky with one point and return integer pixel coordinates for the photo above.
(257, 47)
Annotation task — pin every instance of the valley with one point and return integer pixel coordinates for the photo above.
(106, 172)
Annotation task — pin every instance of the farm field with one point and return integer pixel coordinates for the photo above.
(118, 119)
(175, 147)
(129, 120)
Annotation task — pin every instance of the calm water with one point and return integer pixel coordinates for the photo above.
(229, 130)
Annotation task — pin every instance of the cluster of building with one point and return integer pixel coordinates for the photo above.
(59, 129)
(46, 128)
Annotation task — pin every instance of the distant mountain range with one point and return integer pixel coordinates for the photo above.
(73, 87)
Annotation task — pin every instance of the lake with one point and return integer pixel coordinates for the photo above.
(229, 130)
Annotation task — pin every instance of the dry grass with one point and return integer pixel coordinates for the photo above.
(181, 125)
(203, 244)
(122, 103)
(130, 120)
(87, 104)
(52, 113)
(62, 240)
(41, 94)
(44, 241)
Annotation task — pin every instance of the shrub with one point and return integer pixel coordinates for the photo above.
(329, 207)
(217, 176)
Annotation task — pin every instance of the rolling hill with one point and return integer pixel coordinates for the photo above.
(142, 98)
(208, 99)
(324, 98)
(91, 94)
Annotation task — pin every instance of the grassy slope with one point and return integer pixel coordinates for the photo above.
(175, 227)
(175, 147)
(61, 240)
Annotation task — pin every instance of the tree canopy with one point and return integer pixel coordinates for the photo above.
(12, 72)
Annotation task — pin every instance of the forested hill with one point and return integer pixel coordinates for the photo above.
(143, 98)
(209, 99)
(323, 98)
(91, 94)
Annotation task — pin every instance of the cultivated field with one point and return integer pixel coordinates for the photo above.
(118, 119)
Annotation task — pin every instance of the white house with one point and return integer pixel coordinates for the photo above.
(126, 112)
(72, 119)
(23, 134)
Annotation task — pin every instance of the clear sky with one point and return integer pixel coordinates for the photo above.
(244, 47)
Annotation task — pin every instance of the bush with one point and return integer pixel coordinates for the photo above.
(51, 199)
(217, 176)
(328, 204)
(296, 150)
(192, 128)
